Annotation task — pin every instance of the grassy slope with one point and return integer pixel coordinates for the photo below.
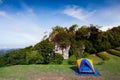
(109, 69)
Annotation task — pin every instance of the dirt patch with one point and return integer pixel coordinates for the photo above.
(54, 76)
(94, 54)
(105, 52)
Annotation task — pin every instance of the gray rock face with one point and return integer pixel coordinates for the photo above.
(64, 52)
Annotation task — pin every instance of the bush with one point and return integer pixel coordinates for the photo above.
(15, 57)
(45, 47)
(2, 61)
(100, 63)
(72, 60)
(102, 46)
(57, 59)
(65, 62)
(118, 48)
(34, 58)
(103, 56)
(114, 52)
(85, 55)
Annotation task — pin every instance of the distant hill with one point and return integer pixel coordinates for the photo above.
(3, 51)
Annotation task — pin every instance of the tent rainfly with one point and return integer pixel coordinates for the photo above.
(85, 65)
(85, 68)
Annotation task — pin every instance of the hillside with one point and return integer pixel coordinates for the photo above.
(63, 43)
(109, 70)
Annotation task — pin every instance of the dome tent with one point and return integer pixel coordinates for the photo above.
(85, 68)
(85, 65)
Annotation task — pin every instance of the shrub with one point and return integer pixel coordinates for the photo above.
(103, 56)
(45, 47)
(100, 63)
(65, 62)
(85, 55)
(57, 59)
(2, 61)
(15, 57)
(118, 48)
(114, 52)
(72, 60)
(105, 45)
(34, 58)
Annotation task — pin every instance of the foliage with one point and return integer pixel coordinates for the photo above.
(72, 60)
(29, 48)
(46, 50)
(57, 59)
(76, 48)
(105, 45)
(15, 57)
(34, 57)
(72, 29)
(44, 46)
(114, 52)
(114, 36)
(63, 39)
(2, 61)
(109, 70)
(118, 48)
(90, 38)
(88, 46)
(81, 33)
(85, 55)
(103, 56)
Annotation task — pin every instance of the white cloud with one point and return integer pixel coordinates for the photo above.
(20, 28)
(112, 13)
(106, 27)
(4, 14)
(78, 13)
(29, 31)
(107, 17)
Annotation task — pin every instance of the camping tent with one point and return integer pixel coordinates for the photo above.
(85, 68)
(85, 65)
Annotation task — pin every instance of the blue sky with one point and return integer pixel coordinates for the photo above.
(25, 22)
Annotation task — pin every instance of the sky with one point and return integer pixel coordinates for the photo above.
(25, 22)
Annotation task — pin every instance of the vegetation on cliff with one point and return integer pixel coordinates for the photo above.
(82, 40)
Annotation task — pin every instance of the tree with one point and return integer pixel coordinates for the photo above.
(81, 33)
(114, 36)
(15, 57)
(45, 47)
(72, 29)
(34, 57)
(57, 58)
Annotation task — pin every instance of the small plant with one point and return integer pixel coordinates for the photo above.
(72, 60)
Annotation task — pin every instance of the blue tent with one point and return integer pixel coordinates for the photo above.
(85, 68)
(86, 65)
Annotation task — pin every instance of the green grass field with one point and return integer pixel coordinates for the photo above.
(109, 69)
